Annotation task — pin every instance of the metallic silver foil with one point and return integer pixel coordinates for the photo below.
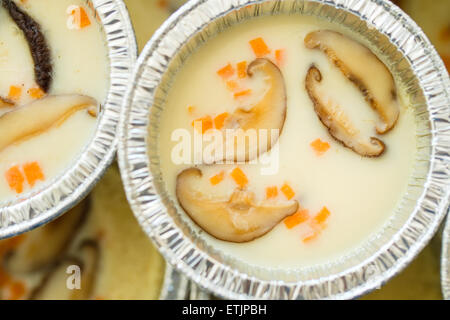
(399, 42)
(57, 196)
(445, 261)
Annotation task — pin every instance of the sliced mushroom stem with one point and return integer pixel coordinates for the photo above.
(45, 245)
(239, 218)
(268, 113)
(363, 68)
(39, 116)
(37, 43)
(337, 123)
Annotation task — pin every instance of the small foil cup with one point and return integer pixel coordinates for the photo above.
(445, 261)
(414, 62)
(58, 195)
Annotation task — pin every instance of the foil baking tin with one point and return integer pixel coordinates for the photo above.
(414, 61)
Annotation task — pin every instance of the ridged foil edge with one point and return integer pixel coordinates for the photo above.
(227, 282)
(60, 194)
(445, 261)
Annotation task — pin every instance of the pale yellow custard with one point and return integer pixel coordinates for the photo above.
(350, 196)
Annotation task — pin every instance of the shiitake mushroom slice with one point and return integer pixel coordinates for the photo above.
(363, 68)
(41, 115)
(43, 246)
(239, 218)
(338, 125)
(54, 284)
(37, 43)
(267, 114)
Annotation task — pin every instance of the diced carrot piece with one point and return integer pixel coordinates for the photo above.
(226, 72)
(271, 192)
(287, 191)
(310, 236)
(220, 120)
(15, 179)
(296, 219)
(4, 277)
(320, 147)
(215, 180)
(84, 19)
(239, 177)
(36, 93)
(14, 93)
(242, 69)
(232, 85)
(259, 47)
(206, 123)
(242, 93)
(17, 290)
(322, 216)
(33, 173)
(279, 56)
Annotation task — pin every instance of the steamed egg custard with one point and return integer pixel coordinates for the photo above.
(54, 74)
(332, 176)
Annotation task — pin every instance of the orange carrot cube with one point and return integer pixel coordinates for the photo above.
(215, 180)
(33, 173)
(14, 93)
(259, 47)
(15, 179)
(296, 219)
(322, 216)
(36, 93)
(220, 120)
(243, 93)
(206, 123)
(287, 191)
(279, 56)
(239, 177)
(320, 147)
(242, 69)
(271, 192)
(226, 72)
(17, 290)
(84, 19)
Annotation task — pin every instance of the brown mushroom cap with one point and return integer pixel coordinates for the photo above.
(269, 113)
(236, 219)
(337, 123)
(364, 69)
(38, 116)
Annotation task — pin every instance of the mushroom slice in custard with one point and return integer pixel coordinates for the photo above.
(338, 124)
(363, 68)
(267, 114)
(235, 218)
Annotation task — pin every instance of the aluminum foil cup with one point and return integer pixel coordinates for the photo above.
(414, 62)
(445, 261)
(57, 196)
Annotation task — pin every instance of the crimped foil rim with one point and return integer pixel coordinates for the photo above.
(60, 194)
(231, 283)
(445, 261)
